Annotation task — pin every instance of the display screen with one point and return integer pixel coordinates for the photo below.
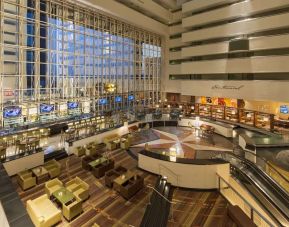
(130, 98)
(12, 111)
(72, 105)
(103, 101)
(284, 109)
(46, 108)
(118, 99)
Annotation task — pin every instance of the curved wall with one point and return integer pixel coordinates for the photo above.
(185, 175)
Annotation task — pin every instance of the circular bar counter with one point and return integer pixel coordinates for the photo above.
(182, 172)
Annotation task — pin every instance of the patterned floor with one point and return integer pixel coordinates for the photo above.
(182, 140)
(107, 208)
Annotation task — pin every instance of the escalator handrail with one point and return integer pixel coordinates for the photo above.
(268, 178)
(264, 175)
(244, 199)
(269, 164)
(267, 197)
(151, 187)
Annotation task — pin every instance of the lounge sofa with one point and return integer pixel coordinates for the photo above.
(79, 188)
(26, 180)
(53, 167)
(43, 212)
(52, 186)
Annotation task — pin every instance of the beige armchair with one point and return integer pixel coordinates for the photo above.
(72, 210)
(53, 167)
(108, 139)
(79, 151)
(79, 188)
(26, 180)
(124, 144)
(52, 186)
(43, 212)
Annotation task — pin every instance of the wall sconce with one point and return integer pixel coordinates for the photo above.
(192, 107)
(169, 106)
(180, 106)
(157, 106)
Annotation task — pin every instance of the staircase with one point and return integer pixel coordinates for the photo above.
(157, 212)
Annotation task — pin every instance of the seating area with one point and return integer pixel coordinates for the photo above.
(38, 175)
(127, 184)
(90, 149)
(97, 164)
(112, 141)
(60, 198)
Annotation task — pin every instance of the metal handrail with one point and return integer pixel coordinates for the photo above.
(170, 202)
(172, 172)
(151, 187)
(237, 193)
(265, 161)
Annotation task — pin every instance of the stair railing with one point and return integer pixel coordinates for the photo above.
(176, 176)
(170, 202)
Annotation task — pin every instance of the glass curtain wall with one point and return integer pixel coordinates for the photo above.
(54, 53)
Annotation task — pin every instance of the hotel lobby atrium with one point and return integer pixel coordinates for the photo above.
(147, 113)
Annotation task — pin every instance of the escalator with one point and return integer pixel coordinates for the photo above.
(157, 212)
(267, 192)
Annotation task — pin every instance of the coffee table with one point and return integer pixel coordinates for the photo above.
(122, 179)
(41, 174)
(63, 196)
(97, 162)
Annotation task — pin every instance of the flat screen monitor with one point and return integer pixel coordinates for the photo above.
(12, 111)
(130, 98)
(46, 108)
(284, 109)
(118, 99)
(103, 101)
(72, 105)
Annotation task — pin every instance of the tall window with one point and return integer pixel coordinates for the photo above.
(54, 52)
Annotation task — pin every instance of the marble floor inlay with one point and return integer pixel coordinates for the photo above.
(183, 141)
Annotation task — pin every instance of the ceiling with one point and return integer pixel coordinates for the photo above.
(160, 10)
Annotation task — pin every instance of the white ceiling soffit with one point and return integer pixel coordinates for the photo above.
(149, 8)
(125, 13)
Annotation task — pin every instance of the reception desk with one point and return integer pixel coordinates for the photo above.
(186, 173)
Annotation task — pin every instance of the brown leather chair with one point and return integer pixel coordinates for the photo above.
(84, 162)
(111, 175)
(131, 187)
(99, 171)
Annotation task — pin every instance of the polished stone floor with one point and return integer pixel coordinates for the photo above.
(183, 141)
